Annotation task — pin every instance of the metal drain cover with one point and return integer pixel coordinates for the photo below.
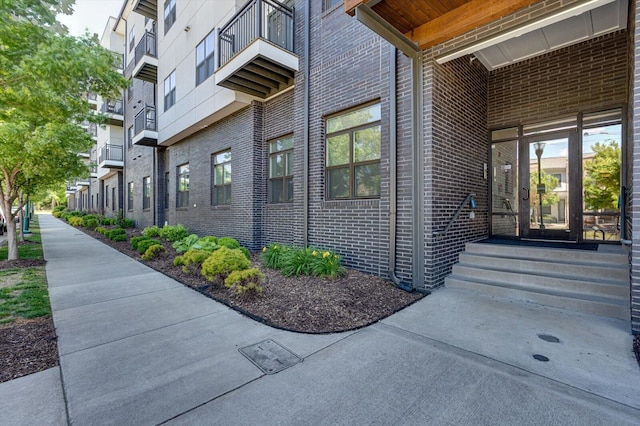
(549, 338)
(539, 357)
(270, 356)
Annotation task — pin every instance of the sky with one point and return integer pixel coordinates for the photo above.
(91, 14)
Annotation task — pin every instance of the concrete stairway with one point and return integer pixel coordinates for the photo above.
(595, 282)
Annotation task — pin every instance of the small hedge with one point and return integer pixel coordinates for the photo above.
(136, 240)
(222, 262)
(116, 234)
(151, 231)
(145, 244)
(245, 281)
(191, 257)
(173, 233)
(75, 221)
(153, 251)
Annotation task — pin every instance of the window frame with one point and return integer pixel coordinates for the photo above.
(285, 177)
(352, 164)
(182, 176)
(208, 60)
(226, 186)
(130, 196)
(330, 4)
(106, 196)
(169, 14)
(132, 38)
(170, 97)
(167, 182)
(146, 193)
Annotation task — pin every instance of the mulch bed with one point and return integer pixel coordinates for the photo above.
(303, 304)
(27, 346)
(22, 263)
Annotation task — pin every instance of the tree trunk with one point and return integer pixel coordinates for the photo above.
(12, 245)
(21, 220)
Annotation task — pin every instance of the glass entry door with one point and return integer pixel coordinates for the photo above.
(549, 176)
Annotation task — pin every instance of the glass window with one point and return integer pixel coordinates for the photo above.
(353, 154)
(170, 90)
(169, 14)
(205, 58)
(146, 193)
(130, 137)
(132, 39)
(166, 190)
(182, 199)
(281, 170)
(130, 196)
(328, 4)
(221, 172)
(106, 196)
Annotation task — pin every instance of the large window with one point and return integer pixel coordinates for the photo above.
(353, 154)
(170, 90)
(328, 4)
(182, 198)
(205, 58)
(130, 196)
(221, 185)
(132, 38)
(130, 137)
(146, 193)
(169, 14)
(281, 170)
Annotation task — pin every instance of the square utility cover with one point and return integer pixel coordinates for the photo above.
(270, 356)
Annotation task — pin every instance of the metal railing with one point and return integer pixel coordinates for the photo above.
(257, 19)
(146, 46)
(113, 107)
(468, 199)
(110, 152)
(145, 120)
(92, 129)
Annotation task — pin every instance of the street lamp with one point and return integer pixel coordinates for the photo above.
(539, 147)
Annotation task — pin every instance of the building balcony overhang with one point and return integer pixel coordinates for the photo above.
(255, 50)
(148, 8)
(83, 182)
(146, 138)
(145, 131)
(146, 69)
(111, 157)
(262, 69)
(145, 59)
(114, 110)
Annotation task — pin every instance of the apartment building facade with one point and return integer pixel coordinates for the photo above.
(296, 122)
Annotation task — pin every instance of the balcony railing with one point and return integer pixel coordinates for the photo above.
(145, 120)
(146, 46)
(113, 107)
(264, 19)
(110, 152)
(92, 129)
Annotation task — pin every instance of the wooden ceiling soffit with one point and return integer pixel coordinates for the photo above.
(456, 22)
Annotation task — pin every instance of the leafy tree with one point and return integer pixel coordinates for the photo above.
(550, 182)
(602, 177)
(44, 77)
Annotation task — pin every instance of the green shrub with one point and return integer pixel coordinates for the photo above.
(145, 244)
(178, 261)
(59, 208)
(208, 243)
(76, 213)
(101, 230)
(193, 257)
(153, 251)
(90, 224)
(87, 218)
(326, 264)
(228, 242)
(135, 240)
(245, 281)
(246, 252)
(297, 261)
(75, 221)
(115, 232)
(107, 221)
(151, 231)
(185, 243)
(222, 262)
(127, 223)
(173, 233)
(272, 256)
(119, 237)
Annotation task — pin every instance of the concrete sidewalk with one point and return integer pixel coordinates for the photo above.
(138, 348)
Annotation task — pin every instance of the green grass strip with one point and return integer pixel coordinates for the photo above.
(26, 296)
(27, 251)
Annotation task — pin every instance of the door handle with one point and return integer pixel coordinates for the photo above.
(527, 191)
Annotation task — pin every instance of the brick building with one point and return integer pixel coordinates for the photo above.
(394, 133)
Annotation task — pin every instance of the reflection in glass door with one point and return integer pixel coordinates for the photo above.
(504, 191)
(601, 164)
(546, 190)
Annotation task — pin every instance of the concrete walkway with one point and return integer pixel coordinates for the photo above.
(138, 348)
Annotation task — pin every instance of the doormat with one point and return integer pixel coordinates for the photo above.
(549, 244)
(270, 356)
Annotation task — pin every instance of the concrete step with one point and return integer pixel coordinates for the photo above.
(607, 288)
(609, 257)
(558, 267)
(574, 301)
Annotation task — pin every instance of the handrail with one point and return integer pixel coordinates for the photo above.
(455, 215)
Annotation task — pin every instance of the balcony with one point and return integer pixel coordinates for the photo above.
(145, 60)
(93, 170)
(71, 188)
(91, 128)
(145, 130)
(148, 8)
(255, 50)
(111, 157)
(114, 110)
(92, 98)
